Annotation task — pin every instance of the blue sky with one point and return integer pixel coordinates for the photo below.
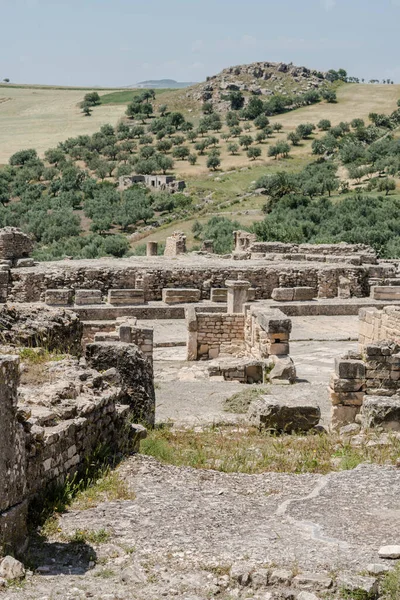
(121, 42)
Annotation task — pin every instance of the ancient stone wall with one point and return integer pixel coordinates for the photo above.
(55, 428)
(267, 332)
(175, 244)
(375, 325)
(354, 253)
(219, 333)
(30, 284)
(14, 244)
(375, 372)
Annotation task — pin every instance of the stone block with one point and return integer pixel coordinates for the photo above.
(83, 297)
(347, 398)
(280, 348)
(346, 385)
(282, 294)
(59, 297)
(385, 292)
(381, 411)
(25, 262)
(219, 295)
(358, 586)
(349, 369)
(125, 296)
(283, 369)
(303, 293)
(343, 415)
(180, 295)
(268, 413)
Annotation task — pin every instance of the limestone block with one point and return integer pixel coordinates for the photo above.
(283, 369)
(347, 398)
(219, 294)
(303, 293)
(349, 369)
(180, 295)
(83, 297)
(343, 415)
(282, 294)
(60, 297)
(25, 262)
(385, 292)
(346, 385)
(278, 348)
(125, 296)
(381, 411)
(358, 585)
(269, 413)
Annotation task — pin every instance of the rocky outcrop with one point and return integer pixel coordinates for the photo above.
(260, 78)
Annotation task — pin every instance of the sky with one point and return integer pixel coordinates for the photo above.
(121, 42)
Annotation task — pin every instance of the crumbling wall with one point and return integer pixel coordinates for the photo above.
(375, 372)
(30, 284)
(14, 244)
(175, 244)
(267, 332)
(219, 333)
(375, 325)
(38, 325)
(57, 426)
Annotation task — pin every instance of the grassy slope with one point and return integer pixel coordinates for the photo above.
(41, 117)
(34, 116)
(126, 96)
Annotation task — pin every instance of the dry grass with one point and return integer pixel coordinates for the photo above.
(246, 450)
(40, 118)
(108, 488)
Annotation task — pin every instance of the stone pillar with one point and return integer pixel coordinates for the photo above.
(208, 246)
(151, 248)
(191, 324)
(237, 294)
(13, 506)
(175, 244)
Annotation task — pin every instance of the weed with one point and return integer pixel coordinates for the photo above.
(390, 586)
(246, 450)
(240, 402)
(83, 536)
(95, 482)
(37, 356)
(105, 573)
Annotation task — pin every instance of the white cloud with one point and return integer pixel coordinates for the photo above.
(328, 4)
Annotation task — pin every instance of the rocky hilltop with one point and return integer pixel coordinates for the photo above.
(260, 78)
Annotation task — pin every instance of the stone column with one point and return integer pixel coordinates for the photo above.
(237, 294)
(151, 248)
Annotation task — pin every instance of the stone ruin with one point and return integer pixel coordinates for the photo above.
(54, 417)
(175, 244)
(238, 313)
(166, 183)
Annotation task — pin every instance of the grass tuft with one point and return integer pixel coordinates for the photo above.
(390, 587)
(240, 402)
(233, 449)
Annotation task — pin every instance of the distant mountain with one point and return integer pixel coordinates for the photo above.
(162, 83)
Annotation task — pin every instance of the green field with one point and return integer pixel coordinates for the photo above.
(126, 96)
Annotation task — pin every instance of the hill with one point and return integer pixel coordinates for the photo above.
(162, 83)
(66, 210)
(260, 78)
